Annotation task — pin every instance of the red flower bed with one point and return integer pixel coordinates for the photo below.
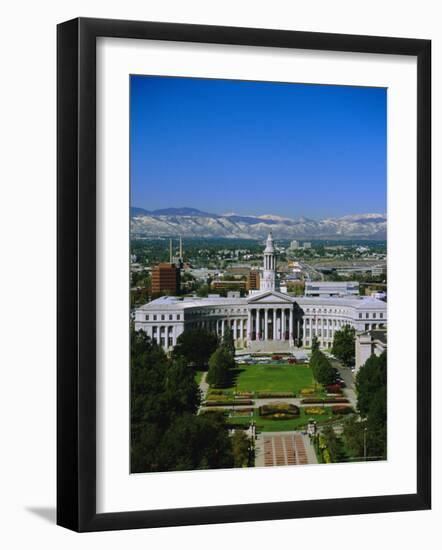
(334, 388)
(341, 409)
(292, 361)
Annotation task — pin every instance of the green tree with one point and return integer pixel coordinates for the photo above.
(196, 346)
(227, 341)
(322, 369)
(344, 345)
(372, 376)
(354, 436)
(196, 442)
(241, 449)
(332, 443)
(203, 291)
(166, 434)
(220, 364)
(315, 344)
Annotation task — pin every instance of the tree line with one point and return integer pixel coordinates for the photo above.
(166, 431)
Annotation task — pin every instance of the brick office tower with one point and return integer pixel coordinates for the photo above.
(253, 280)
(166, 279)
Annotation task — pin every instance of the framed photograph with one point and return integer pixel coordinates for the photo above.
(243, 240)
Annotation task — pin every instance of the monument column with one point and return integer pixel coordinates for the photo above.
(266, 324)
(283, 324)
(274, 324)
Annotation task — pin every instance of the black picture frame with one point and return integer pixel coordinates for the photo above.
(76, 274)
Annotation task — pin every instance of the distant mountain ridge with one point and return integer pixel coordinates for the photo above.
(191, 222)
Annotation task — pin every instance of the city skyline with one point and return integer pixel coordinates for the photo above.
(292, 150)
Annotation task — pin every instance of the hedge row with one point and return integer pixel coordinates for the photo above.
(264, 394)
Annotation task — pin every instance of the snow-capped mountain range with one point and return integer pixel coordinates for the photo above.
(190, 222)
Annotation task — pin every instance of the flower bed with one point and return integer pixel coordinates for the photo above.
(329, 400)
(339, 409)
(307, 391)
(264, 395)
(334, 388)
(242, 412)
(279, 411)
(243, 395)
(315, 410)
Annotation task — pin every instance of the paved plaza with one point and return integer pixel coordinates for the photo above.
(284, 449)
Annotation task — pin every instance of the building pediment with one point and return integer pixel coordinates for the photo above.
(271, 297)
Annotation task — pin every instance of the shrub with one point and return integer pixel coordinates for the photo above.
(214, 410)
(213, 391)
(307, 391)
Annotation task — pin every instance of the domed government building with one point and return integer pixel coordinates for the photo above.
(266, 320)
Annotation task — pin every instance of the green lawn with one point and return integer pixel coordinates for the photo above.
(273, 378)
(270, 425)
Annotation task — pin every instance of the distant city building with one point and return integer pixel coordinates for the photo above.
(379, 295)
(371, 342)
(239, 269)
(166, 278)
(266, 320)
(202, 274)
(294, 245)
(253, 280)
(379, 270)
(306, 245)
(228, 285)
(331, 288)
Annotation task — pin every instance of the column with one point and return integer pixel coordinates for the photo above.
(222, 327)
(266, 324)
(291, 337)
(274, 324)
(235, 329)
(241, 330)
(283, 324)
(249, 325)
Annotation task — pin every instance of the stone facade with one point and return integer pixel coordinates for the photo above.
(265, 320)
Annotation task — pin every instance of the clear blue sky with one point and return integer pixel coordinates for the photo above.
(257, 147)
